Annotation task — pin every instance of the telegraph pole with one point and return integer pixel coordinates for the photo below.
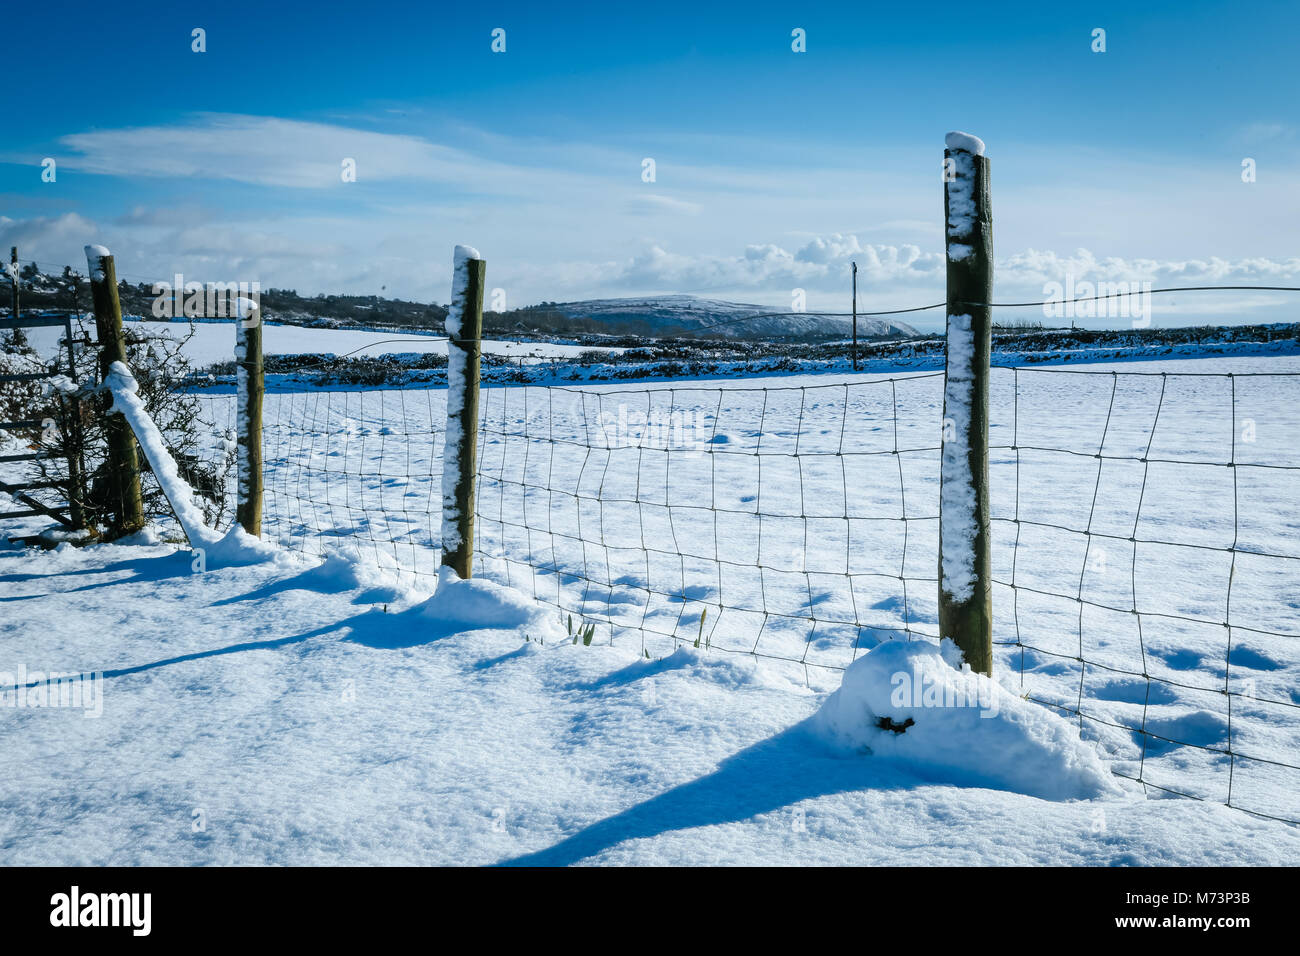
(855, 316)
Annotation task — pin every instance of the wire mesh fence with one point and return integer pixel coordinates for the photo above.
(1146, 566)
(357, 470)
(771, 521)
(1147, 572)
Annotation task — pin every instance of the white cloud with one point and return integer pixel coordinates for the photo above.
(654, 203)
(1260, 133)
(572, 220)
(1033, 267)
(822, 263)
(68, 231)
(270, 151)
(320, 255)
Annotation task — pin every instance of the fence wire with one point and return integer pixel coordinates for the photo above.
(1146, 564)
(1149, 562)
(355, 471)
(774, 522)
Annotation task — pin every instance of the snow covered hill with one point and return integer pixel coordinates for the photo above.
(641, 316)
(208, 343)
(686, 314)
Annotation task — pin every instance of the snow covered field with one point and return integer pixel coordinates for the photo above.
(278, 715)
(214, 342)
(323, 713)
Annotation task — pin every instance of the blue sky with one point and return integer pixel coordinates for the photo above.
(773, 168)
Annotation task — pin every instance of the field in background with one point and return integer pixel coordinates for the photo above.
(1150, 592)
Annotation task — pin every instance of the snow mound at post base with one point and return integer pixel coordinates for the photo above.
(477, 604)
(237, 548)
(964, 727)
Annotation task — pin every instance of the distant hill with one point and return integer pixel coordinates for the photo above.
(70, 290)
(665, 316)
(688, 315)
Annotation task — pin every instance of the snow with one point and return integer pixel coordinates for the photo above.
(95, 256)
(341, 712)
(291, 721)
(459, 284)
(965, 142)
(457, 386)
(962, 209)
(126, 402)
(244, 308)
(212, 342)
(247, 312)
(470, 605)
(234, 547)
(958, 525)
(960, 727)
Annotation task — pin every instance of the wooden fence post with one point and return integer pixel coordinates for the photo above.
(122, 468)
(459, 467)
(965, 591)
(252, 386)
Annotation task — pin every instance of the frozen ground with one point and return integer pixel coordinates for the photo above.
(279, 715)
(320, 714)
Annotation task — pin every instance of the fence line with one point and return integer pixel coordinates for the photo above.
(688, 515)
(1180, 669)
(798, 523)
(930, 307)
(816, 538)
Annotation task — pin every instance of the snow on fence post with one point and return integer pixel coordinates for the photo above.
(123, 471)
(252, 385)
(13, 276)
(965, 591)
(127, 407)
(464, 330)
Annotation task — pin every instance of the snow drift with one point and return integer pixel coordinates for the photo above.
(456, 607)
(905, 702)
(235, 547)
(478, 604)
